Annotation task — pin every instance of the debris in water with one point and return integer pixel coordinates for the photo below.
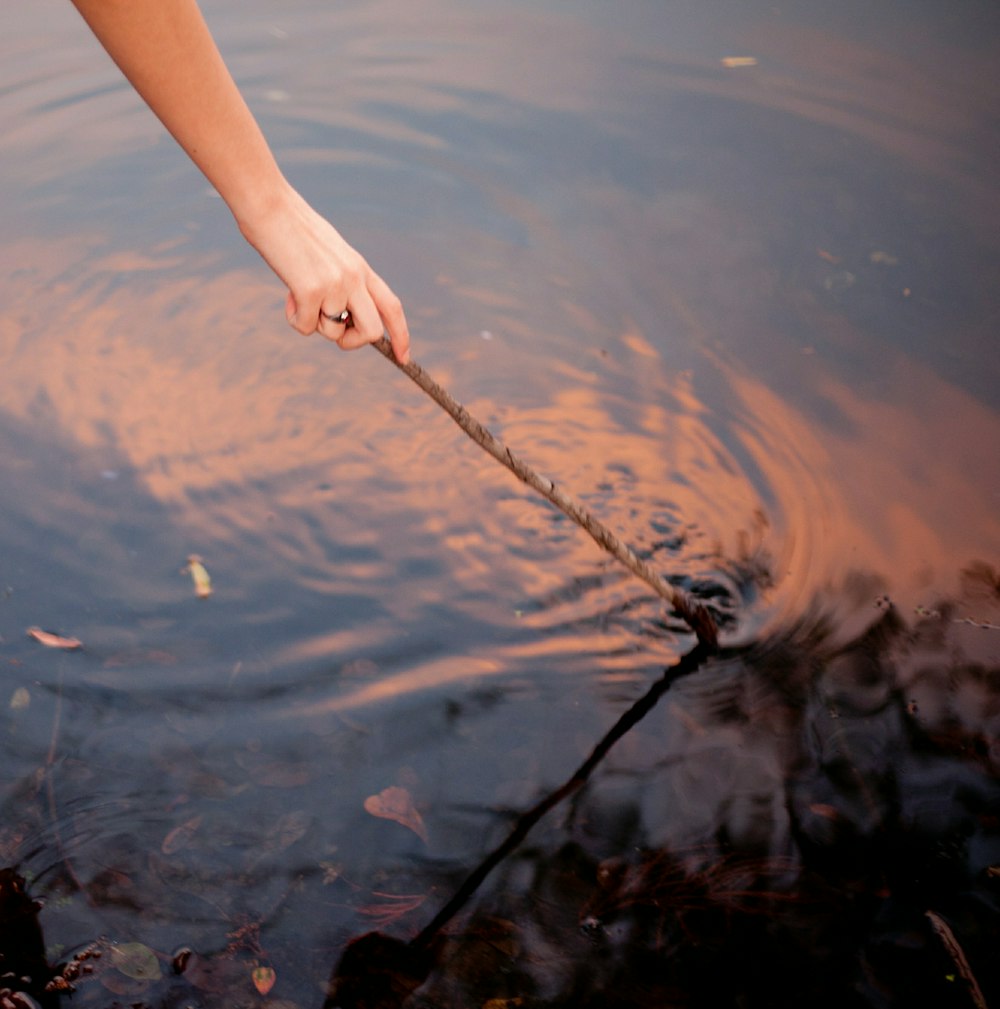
(264, 978)
(200, 577)
(20, 699)
(885, 258)
(730, 62)
(180, 837)
(395, 803)
(51, 640)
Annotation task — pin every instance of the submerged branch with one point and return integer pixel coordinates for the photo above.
(952, 945)
(379, 972)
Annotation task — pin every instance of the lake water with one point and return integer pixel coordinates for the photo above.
(728, 272)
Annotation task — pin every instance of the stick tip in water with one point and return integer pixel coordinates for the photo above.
(700, 619)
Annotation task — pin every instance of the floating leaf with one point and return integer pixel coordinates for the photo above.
(136, 960)
(20, 699)
(731, 62)
(395, 803)
(263, 979)
(200, 577)
(51, 640)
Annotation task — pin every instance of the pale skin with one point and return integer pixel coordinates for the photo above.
(167, 52)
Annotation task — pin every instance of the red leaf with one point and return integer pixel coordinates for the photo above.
(395, 803)
(263, 979)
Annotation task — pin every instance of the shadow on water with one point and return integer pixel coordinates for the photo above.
(840, 804)
(798, 821)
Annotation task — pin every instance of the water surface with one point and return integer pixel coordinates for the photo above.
(747, 313)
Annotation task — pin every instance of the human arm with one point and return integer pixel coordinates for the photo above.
(166, 51)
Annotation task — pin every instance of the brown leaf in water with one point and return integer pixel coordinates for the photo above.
(51, 640)
(391, 907)
(395, 803)
(180, 837)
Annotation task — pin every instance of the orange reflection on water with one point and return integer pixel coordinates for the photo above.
(909, 493)
(232, 424)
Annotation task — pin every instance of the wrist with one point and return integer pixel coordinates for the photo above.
(263, 202)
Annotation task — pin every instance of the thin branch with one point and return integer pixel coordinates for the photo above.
(695, 614)
(951, 944)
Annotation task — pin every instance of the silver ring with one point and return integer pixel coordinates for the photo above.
(342, 318)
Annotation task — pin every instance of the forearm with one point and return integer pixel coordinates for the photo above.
(167, 53)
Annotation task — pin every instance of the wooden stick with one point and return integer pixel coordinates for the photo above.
(694, 614)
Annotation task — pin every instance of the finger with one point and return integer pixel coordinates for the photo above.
(390, 308)
(292, 315)
(366, 324)
(301, 316)
(342, 318)
(332, 325)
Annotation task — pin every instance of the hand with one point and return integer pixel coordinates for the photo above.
(325, 275)
(166, 50)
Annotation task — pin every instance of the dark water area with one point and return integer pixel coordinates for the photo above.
(728, 273)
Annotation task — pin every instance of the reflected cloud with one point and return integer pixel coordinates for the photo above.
(332, 473)
(909, 492)
(292, 451)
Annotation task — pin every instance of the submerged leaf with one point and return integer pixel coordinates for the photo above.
(180, 837)
(20, 699)
(395, 803)
(289, 829)
(391, 907)
(51, 640)
(263, 979)
(136, 960)
(200, 577)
